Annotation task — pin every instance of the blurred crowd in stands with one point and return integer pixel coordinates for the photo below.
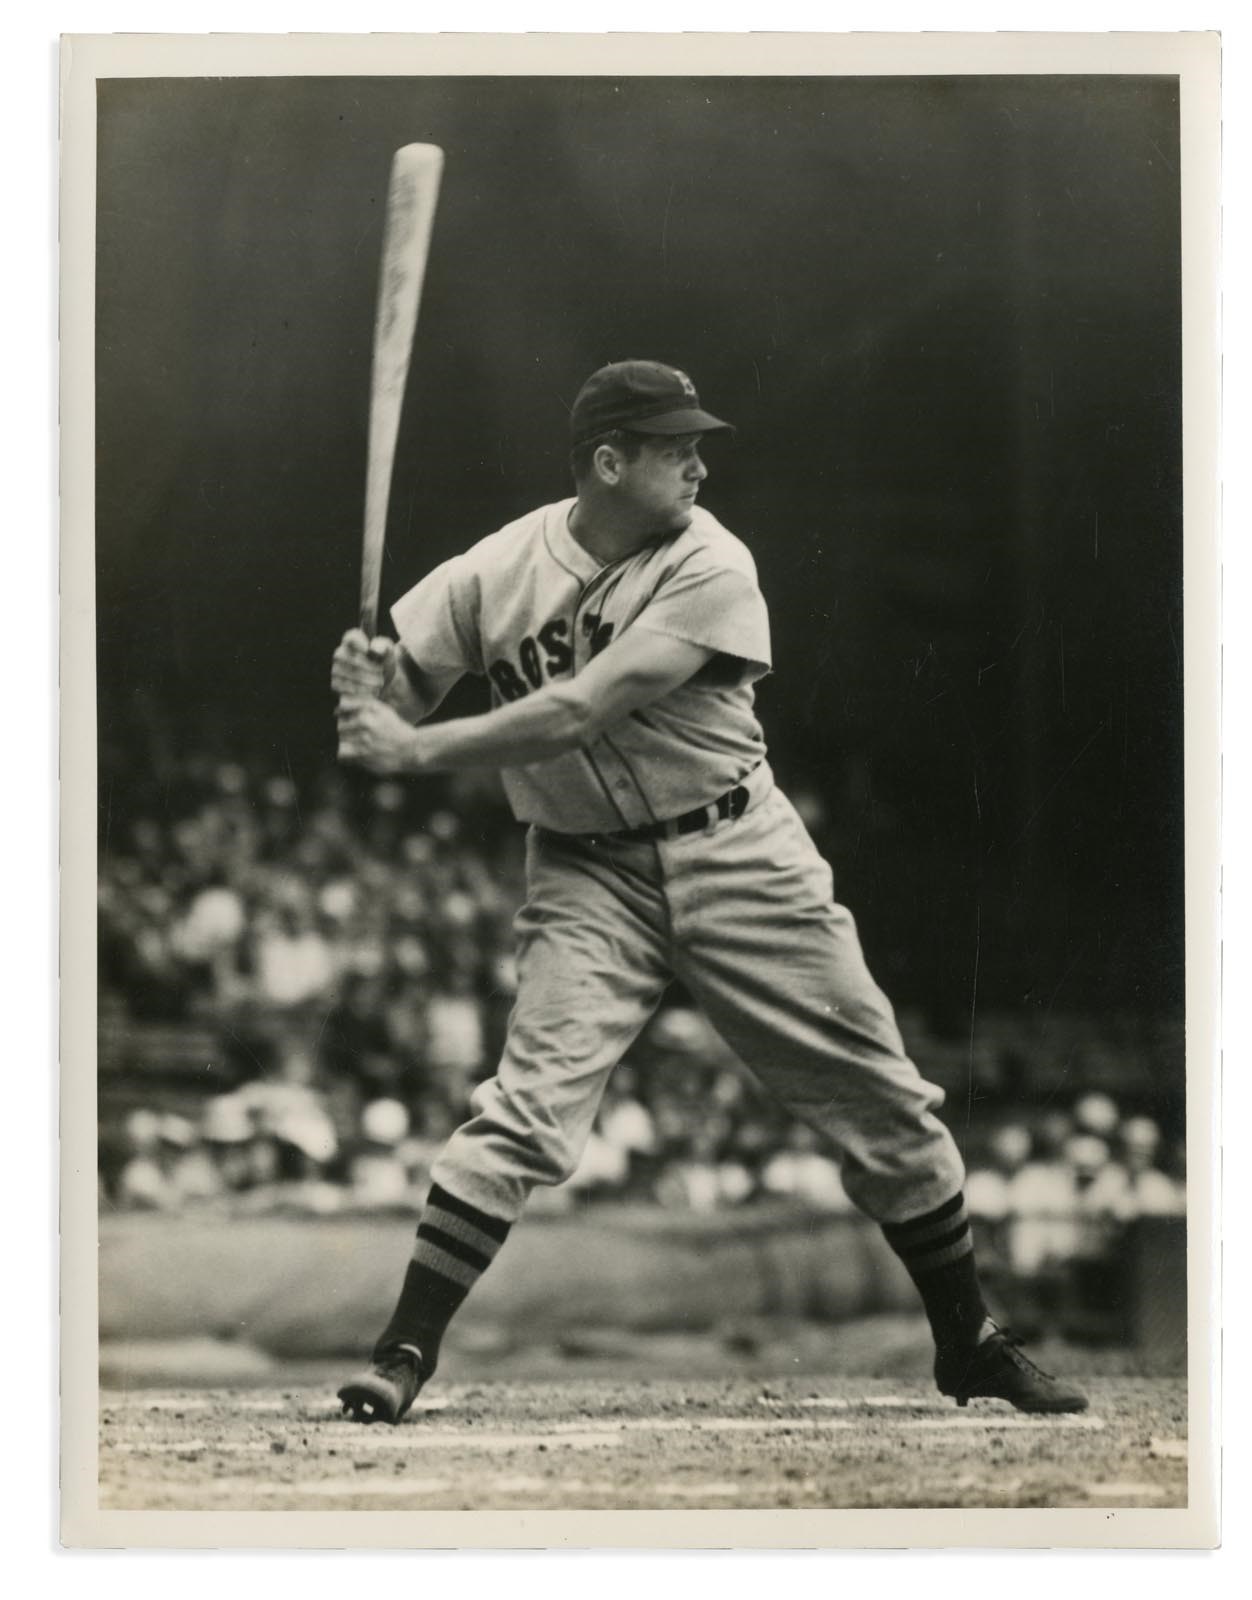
(299, 992)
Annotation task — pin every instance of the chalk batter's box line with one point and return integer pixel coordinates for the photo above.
(572, 1436)
(139, 1402)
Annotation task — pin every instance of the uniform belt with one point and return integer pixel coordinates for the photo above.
(725, 808)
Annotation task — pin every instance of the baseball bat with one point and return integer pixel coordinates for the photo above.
(411, 196)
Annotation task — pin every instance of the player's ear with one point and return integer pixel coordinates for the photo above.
(606, 463)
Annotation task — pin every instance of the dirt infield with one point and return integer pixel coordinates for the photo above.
(664, 1444)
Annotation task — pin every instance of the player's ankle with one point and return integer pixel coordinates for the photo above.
(938, 1251)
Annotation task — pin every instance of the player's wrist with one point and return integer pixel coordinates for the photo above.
(415, 755)
(382, 652)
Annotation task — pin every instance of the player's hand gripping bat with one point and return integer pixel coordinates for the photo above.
(411, 196)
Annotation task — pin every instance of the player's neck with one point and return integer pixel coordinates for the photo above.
(607, 530)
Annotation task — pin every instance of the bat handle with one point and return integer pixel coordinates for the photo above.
(377, 647)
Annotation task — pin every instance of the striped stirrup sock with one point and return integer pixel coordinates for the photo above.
(456, 1243)
(938, 1252)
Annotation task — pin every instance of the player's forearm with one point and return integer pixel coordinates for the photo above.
(411, 692)
(404, 697)
(549, 723)
(627, 675)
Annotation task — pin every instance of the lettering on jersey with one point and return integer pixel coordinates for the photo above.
(505, 677)
(558, 658)
(552, 637)
(599, 633)
(529, 654)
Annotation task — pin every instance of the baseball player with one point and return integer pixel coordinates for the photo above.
(621, 632)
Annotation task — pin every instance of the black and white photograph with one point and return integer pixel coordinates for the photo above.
(633, 938)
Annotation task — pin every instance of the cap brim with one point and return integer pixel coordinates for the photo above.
(692, 420)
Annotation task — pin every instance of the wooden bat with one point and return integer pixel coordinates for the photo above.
(411, 197)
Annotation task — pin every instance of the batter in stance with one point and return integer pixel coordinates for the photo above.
(621, 632)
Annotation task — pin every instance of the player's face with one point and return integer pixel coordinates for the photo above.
(662, 481)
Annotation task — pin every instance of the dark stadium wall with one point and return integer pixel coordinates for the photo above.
(168, 1278)
(263, 1282)
(944, 315)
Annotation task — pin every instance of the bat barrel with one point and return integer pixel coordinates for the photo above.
(412, 193)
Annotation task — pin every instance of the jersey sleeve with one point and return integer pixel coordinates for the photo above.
(720, 607)
(437, 621)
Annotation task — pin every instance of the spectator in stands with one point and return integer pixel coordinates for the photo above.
(1094, 1264)
(1135, 1186)
(603, 1168)
(293, 961)
(377, 1172)
(209, 938)
(1006, 1239)
(435, 1124)
(194, 1174)
(143, 1183)
(454, 1036)
(356, 1050)
(166, 1165)
(760, 1127)
(226, 1129)
(989, 1189)
(703, 1178)
(1097, 1115)
(1088, 1158)
(626, 1125)
(1041, 1198)
(802, 1171)
(136, 958)
(286, 1107)
(306, 1148)
(682, 1031)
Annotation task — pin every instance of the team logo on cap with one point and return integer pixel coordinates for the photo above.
(685, 383)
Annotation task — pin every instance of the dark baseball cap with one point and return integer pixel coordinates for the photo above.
(643, 397)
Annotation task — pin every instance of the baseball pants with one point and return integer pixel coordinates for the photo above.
(744, 915)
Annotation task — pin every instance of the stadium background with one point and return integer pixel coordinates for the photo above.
(945, 315)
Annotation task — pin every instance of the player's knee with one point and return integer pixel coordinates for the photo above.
(559, 1160)
(524, 1135)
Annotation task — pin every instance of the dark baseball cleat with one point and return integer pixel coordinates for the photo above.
(997, 1369)
(387, 1387)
